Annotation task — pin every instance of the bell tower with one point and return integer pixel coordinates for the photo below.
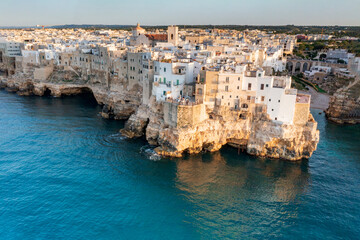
(173, 35)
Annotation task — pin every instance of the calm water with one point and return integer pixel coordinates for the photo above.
(65, 173)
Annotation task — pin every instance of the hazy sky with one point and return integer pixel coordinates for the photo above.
(165, 12)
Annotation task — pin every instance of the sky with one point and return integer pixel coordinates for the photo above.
(183, 12)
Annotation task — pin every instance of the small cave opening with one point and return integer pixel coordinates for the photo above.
(88, 95)
(47, 92)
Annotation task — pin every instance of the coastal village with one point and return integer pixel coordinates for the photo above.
(186, 90)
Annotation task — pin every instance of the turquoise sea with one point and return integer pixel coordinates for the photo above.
(66, 173)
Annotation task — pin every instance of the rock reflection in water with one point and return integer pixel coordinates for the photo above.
(231, 192)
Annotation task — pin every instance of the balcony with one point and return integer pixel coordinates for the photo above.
(179, 71)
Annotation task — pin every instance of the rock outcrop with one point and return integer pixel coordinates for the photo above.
(255, 133)
(118, 102)
(344, 107)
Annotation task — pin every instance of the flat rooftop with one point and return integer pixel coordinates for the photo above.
(302, 98)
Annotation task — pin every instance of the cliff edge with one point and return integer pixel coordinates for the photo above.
(172, 128)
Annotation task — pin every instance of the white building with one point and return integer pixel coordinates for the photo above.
(11, 49)
(316, 69)
(171, 77)
(240, 90)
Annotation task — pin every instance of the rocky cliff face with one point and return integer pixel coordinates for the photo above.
(258, 135)
(344, 107)
(117, 101)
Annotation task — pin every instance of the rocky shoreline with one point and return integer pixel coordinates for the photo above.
(116, 104)
(255, 133)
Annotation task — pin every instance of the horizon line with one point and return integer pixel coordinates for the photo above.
(162, 25)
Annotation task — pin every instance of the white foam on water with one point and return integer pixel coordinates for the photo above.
(150, 153)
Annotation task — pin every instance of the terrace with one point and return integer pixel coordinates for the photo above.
(303, 98)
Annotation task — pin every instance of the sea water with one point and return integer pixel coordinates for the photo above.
(66, 173)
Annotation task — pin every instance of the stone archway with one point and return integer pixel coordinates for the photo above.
(289, 66)
(305, 67)
(297, 67)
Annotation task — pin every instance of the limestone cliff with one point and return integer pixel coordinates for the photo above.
(118, 102)
(253, 132)
(344, 105)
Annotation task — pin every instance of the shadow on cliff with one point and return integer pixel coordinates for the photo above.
(47, 92)
(88, 95)
(83, 93)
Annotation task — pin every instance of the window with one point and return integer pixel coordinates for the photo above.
(278, 100)
(248, 98)
(226, 88)
(259, 75)
(262, 98)
(269, 99)
(222, 97)
(238, 87)
(164, 79)
(164, 69)
(238, 78)
(272, 110)
(164, 93)
(249, 86)
(227, 79)
(276, 118)
(262, 87)
(177, 82)
(230, 96)
(267, 85)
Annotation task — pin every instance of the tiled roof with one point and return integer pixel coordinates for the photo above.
(157, 37)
